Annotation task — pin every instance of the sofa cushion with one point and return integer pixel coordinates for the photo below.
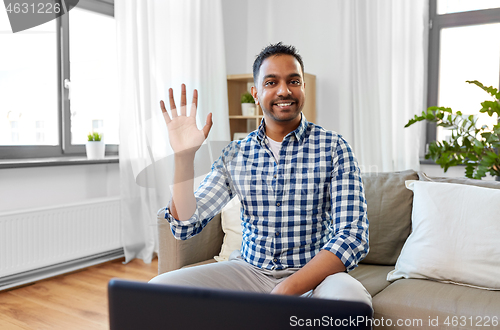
(389, 214)
(427, 300)
(373, 277)
(455, 235)
(231, 226)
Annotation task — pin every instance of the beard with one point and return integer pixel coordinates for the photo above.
(282, 114)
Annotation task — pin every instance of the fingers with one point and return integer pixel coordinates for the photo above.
(164, 112)
(162, 106)
(194, 106)
(195, 97)
(183, 100)
(208, 125)
(172, 102)
(183, 95)
(183, 109)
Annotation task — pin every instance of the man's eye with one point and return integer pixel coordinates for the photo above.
(269, 83)
(296, 82)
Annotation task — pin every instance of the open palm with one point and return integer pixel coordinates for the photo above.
(183, 133)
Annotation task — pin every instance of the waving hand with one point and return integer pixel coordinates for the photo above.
(183, 133)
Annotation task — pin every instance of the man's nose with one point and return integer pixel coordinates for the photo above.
(283, 89)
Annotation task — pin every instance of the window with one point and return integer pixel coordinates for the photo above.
(40, 131)
(93, 71)
(14, 132)
(58, 82)
(463, 45)
(28, 83)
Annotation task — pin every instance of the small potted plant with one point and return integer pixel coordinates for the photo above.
(247, 104)
(95, 147)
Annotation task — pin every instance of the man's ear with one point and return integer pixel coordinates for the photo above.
(253, 91)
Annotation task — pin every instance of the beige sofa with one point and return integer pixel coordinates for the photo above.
(400, 304)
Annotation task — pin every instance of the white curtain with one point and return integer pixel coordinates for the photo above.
(384, 46)
(161, 44)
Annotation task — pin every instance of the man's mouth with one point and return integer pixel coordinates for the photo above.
(284, 104)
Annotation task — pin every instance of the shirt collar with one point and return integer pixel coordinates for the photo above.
(299, 132)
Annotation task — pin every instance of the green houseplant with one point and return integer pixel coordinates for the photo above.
(95, 147)
(247, 104)
(247, 98)
(94, 136)
(475, 147)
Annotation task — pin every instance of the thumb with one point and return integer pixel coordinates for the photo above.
(208, 125)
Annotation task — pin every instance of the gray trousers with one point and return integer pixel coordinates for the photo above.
(237, 274)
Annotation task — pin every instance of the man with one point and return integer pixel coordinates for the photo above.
(304, 217)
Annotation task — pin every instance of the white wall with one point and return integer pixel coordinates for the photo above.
(36, 187)
(235, 18)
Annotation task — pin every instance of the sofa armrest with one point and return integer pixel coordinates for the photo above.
(174, 254)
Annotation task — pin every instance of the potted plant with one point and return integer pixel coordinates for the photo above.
(95, 147)
(247, 104)
(475, 147)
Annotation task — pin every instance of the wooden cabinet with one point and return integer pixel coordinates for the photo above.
(240, 83)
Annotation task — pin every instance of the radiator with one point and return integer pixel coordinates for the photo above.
(39, 238)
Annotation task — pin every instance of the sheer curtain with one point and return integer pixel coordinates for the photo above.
(384, 46)
(161, 44)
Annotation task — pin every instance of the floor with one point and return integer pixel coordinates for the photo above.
(72, 301)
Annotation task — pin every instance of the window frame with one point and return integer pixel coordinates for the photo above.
(64, 147)
(436, 24)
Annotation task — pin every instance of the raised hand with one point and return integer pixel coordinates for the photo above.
(183, 133)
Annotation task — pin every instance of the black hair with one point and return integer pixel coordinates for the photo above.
(276, 49)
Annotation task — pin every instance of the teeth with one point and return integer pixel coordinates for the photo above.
(283, 104)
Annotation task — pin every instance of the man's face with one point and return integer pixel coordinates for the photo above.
(280, 89)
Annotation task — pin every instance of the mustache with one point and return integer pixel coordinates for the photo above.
(281, 99)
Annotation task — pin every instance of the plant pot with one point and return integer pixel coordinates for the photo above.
(95, 149)
(248, 109)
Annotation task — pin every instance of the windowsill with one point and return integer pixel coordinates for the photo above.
(424, 161)
(55, 161)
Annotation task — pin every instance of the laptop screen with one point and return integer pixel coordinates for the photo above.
(140, 305)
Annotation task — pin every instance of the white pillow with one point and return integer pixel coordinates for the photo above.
(231, 226)
(455, 236)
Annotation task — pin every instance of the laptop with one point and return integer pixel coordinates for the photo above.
(140, 305)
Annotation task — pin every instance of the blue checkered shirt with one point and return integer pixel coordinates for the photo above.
(311, 198)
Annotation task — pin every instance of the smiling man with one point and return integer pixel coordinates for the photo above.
(304, 220)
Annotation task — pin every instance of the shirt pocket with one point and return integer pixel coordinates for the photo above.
(311, 189)
(254, 184)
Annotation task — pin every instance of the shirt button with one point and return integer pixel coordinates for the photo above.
(275, 260)
(278, 204)
(275, 176)
(277, 233)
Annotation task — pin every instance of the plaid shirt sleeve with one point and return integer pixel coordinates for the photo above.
(211, 196)
(350, 223)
